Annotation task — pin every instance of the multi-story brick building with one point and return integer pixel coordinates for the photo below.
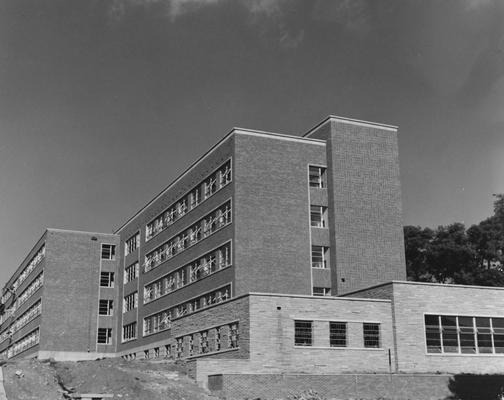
(270, 254)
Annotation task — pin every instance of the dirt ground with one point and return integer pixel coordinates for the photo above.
(135, 380)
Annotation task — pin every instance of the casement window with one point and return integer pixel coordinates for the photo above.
(108, 252)
(317, 177)
(132, 244)
(130, 302)
(104, 336)
(337, 334)
(371, 335)
(464, 334)
(129, 332)
(107, 279)
(131, 272)
(321, 291)
(318, 216)
(319, 257)
(106, 307)
(303, 333)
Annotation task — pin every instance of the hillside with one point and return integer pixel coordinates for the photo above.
(138, 380)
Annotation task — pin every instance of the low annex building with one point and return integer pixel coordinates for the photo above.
(270, 254)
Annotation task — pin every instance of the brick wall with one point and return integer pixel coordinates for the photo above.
(351, 386)
(272, 245)
(71, 284)
(365, 204)
(412, 300)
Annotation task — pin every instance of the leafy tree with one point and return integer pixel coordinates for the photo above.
(452, 254)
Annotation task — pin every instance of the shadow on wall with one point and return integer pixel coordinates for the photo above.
(477, 387)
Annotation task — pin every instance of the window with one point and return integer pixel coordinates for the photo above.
(319, 256)
(105, 307)
(317, 177)
(337, 334)
(107, 279)
(303, 333)
(371, 335)
(464, 334)
(321, 291)
(132, 244)
(129, 332)
(130, 302)
(108, 252)
(131, 272)
(104, 336)
(318, 216)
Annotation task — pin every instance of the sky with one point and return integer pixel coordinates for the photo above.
(104, 103)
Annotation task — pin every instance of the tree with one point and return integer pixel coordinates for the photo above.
(452, 254)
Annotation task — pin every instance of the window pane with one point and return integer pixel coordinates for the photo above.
(467, 340)
(498, 336)
(450, 337)
(484, 335)
(433, 334)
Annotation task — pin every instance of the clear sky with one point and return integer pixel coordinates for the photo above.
(103, 103)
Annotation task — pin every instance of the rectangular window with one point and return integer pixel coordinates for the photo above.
(303, 333)
(132, 244)
(371, 335)
(105, 307)
(107, 279)
(318, 216)
(130, 302)
(108, 252)
(319, 256)
(321, 291)
(337, 334)
(104, 336)
(317, 177)
(464, 334)
(131, 272)
(129, 332)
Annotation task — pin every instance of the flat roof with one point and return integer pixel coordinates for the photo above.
(352, 121)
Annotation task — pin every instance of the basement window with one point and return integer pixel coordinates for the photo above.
(105, 307)
(371, 335)
(337, 334)
(321, 291)
(108, 252)
(104, 336)
(303, 333)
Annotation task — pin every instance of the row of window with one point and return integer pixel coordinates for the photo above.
(190, 236)
(303, 334)
(29, 315)
(132, 244)
(203, 191)
(34, 286)
(464, 335)
(130, 302)
(198, 269)
(24, 343)
(26, 271)
(210, 340)
(162, 320)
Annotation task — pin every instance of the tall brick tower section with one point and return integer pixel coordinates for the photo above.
(365, 212)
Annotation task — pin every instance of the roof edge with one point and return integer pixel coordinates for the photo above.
(353, 121)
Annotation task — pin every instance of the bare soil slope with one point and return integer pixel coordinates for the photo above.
(135, 380)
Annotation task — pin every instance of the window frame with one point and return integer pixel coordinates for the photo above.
(318, 210)
(112, 251)
(338, 336)
(108, 336)
(303, 335)
(320, 181)
(110, 279)
(368, 336)
(108, 305)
